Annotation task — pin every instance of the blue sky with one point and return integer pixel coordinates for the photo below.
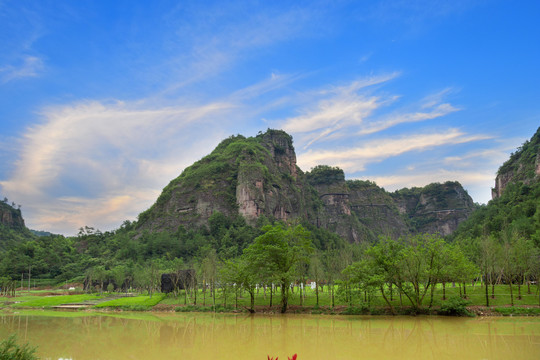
(102, 103)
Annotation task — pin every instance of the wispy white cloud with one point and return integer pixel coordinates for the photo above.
(438, 110)
(475, 169)
(419, 179)
(213, 49)
(338, 108)
(473, 180)
(29, 66)
(359, 109)
(356, 158)
(88, 157)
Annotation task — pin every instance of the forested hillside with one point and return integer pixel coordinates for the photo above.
(258, 178)
(219, 206)
(515, 207)
(199, 223)
(12, 228)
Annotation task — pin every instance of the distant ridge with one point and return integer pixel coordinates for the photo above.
(515, 207)
(257, 177)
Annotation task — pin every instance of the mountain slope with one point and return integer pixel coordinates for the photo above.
(258, 178)
(522, 166)
(515, 207)
(12, 228)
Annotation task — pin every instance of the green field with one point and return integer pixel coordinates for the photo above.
(142, 302)
(52, 300)
(475, 295)
(355, 299)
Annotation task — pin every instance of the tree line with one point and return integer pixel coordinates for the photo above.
(231, 257)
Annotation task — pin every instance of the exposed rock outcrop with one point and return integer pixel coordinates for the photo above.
(436, 208)
(11, 217)
(255, 177)
(523, 166)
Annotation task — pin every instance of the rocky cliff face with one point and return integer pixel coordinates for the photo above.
(250, 177)
(435, 208)
(11, 217)
(523, 166)
(254, 177)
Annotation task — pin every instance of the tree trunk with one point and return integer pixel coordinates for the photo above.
(284, 297)
(385, 299)
(204, 294)
(332, 294)
(317, 292)
(511, 294)
(444, 290)
(431, 296)
(214, 293)
(464, 290)
(487, 291)
(538, 288)
(271, 294)
(252, 302)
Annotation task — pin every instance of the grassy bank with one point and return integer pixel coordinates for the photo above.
(353, 303)
(48, 301)
(135, 303)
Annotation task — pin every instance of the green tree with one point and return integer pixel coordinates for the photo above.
(384, 263)
(119, 276)
(523, 253)
(489, 259)
(278, 252)
(209, 267)
(418, 266)
(316, 270)
(460, 269)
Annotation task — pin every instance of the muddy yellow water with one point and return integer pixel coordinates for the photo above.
(60, 335)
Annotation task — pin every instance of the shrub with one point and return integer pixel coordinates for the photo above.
(455, 306)
(10, 350)
(357, 310)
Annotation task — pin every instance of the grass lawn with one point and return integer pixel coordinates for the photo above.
(143, 302)
(50, 301)
(475, 295)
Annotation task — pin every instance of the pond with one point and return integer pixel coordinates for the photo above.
(87, 335)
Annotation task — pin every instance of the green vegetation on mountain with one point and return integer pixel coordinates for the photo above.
(229, 212)
(12, 228)
(523, 163)
(257, 177)
(325, 175)
(515, 207)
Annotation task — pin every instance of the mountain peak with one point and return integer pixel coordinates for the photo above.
(258, 177)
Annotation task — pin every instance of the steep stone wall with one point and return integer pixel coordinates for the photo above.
(255, 177)
(11, 217)
(522, 166)
(436, 208)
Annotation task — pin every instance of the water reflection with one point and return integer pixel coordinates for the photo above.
(208, 336)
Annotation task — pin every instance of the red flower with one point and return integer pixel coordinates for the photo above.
(293, 357)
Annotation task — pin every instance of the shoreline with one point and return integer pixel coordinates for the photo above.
(473, 311)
